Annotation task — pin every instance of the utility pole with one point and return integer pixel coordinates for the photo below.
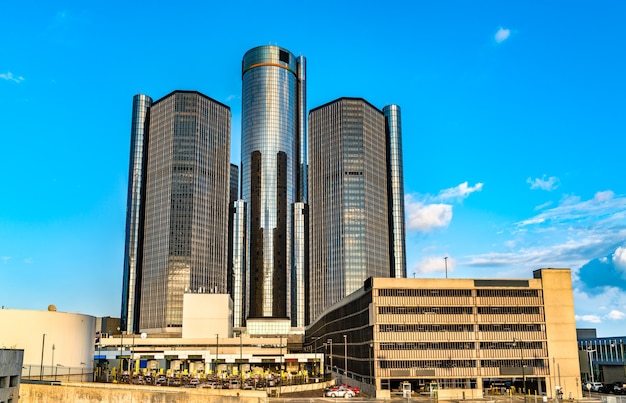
(217, 350)
(43, 345)
(345, 365)
(330, 342)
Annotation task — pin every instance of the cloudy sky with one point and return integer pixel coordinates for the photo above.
(513, 130)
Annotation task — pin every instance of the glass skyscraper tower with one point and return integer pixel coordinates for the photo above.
(181, 239)
(355, 199)
(131, 287)
(273, 185)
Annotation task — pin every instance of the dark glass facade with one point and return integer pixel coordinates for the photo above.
(273, 160)
(350, 199)
(133, 242)
(393, 126)
(185, 203)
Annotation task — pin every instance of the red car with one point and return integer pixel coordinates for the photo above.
(352, 388)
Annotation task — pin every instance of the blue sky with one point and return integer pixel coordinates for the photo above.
(513, 129)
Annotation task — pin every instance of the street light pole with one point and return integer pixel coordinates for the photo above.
(369, 364)
(590, 352)
(345, 356)
(330, 342)
(119, 374)
(281, 356)
(240, 358)
(132, 357)
(43, 345)
(315, 356)
(52, 366)
(621, 343)
(217, 351)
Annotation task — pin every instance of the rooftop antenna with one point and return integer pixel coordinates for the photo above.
(446, 260)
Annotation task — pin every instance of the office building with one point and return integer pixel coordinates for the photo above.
(602, 359)
(397, 244)
(180, 237)
(273, 186)
(454, 338)
(131, 287)
(355, 198)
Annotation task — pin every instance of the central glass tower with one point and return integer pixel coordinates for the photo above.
(273, 182)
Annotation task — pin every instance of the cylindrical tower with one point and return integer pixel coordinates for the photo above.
(396, 190)
(131, 285)
(270, 159)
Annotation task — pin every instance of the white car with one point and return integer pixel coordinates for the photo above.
(340, 392)
(593, 386)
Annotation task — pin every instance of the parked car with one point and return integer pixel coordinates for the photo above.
(592, 386)
(339, 391)
(161, 380)
(356, 390)
(194, 382)
(617, 388)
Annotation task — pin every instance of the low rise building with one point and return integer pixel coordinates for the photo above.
(457, 338)
(10, 369)
(602, 359)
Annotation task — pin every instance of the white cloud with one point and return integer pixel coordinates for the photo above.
(603, 196)
(542, 183)
(588, 318)
(28, 260)
(619, 258)
(426, 212)
(616, 315)
(10, 77)
(461, 191)
(434, 264)
(603, 212)
(604, 308)
(544, 205)
(425, 217)
(502, 35)
(231, 97)
(5, 259)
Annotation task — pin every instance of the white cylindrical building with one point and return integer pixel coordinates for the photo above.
(55, 344)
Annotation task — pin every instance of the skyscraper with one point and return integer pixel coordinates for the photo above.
(184, 209)
(397, 251)
(355, 181)
(131, 286)
(274, 177)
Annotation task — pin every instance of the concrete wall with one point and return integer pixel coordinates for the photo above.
(108, 393)
(561, 332)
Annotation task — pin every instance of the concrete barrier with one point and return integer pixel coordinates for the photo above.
(111, 393)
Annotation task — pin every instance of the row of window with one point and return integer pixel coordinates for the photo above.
(434, 364)
(508, 293)
(420, 310)
(422, 328)
(461, 345)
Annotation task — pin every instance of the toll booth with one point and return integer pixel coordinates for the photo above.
(406, 389)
